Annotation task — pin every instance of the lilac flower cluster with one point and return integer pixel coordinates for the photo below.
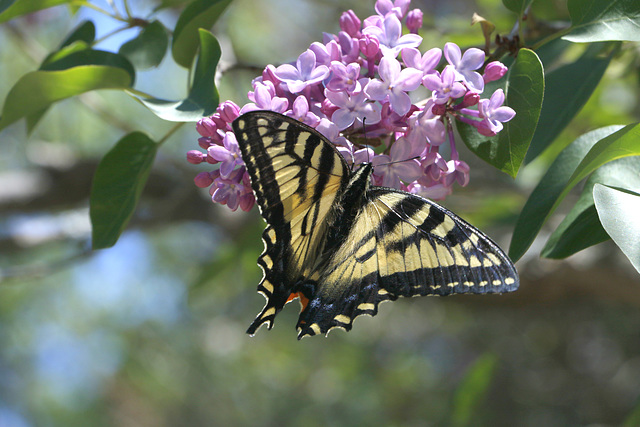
(354, 90)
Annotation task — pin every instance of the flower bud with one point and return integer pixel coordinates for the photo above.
(470, 99)
(439, 109)
(369, 46)
(195, 157)
(414, 20)
(494, 71)
(350, 23)
(203, 179)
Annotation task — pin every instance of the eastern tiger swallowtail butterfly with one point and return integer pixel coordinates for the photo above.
(343, 246)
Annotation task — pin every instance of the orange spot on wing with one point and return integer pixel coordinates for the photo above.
(303, 300)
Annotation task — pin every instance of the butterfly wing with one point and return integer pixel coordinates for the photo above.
(296, 175)
(404, 245)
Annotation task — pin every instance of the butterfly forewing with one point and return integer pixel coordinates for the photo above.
(343, 247)
(296, 175)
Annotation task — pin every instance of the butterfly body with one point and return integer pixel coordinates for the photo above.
(344, 246)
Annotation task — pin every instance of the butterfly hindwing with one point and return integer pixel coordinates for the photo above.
(296, 175)
(344, 247)
(401, 245)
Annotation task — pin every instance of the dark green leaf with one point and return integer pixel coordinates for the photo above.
(517, 6)
(544, 197)
(37, 90)
(199, 14)
(633, 419)
(604, 20)
(85, 32)
(65, 51)
(85, 57)
(523, 86)
(4, 5)
(203, 97)
(11, 9)
(581, 227)
(567, 90)
(472, 391)
(148, 48)
(117, 185)
(553, 52)
(618, 212)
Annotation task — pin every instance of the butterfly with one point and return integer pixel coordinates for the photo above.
(342, 246)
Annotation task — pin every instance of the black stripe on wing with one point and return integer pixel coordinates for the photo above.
(419, 248)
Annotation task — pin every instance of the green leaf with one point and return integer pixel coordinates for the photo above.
(517, 6)
(37, 90)
(472, 391)
(618, 212)
(544, 197)
(148, 48)
(624, 143)
(567, 89)
(117, 185)
(581, 227)
(203, 97)
(10, 9)
(604, 20)
(523, 86)
(199, 14)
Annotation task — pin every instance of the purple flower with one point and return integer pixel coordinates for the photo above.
(426, 127)
(426, 63)
(457, 170)
(332, 133)
(230, 190)
(350, 47)
(326, 53)
(395, 83)
(363, 155)
(398, 7)
(350, 23)
(444, 86)
(344, 77)
(228, 154)
(465, 65)
(390, 36)
(434, 165)
(414, 21)
(352, 107)
(494, 71)
(305, 72)
(301, 113)
(493, 113)
(264, 97)
(433, 191)
(397, 166)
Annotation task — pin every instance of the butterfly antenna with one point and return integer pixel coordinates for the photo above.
(399, 161)
(364, 132)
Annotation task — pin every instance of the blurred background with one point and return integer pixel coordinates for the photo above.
(151, 331)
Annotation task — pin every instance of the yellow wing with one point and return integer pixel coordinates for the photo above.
(296, 176)
(401, 245)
